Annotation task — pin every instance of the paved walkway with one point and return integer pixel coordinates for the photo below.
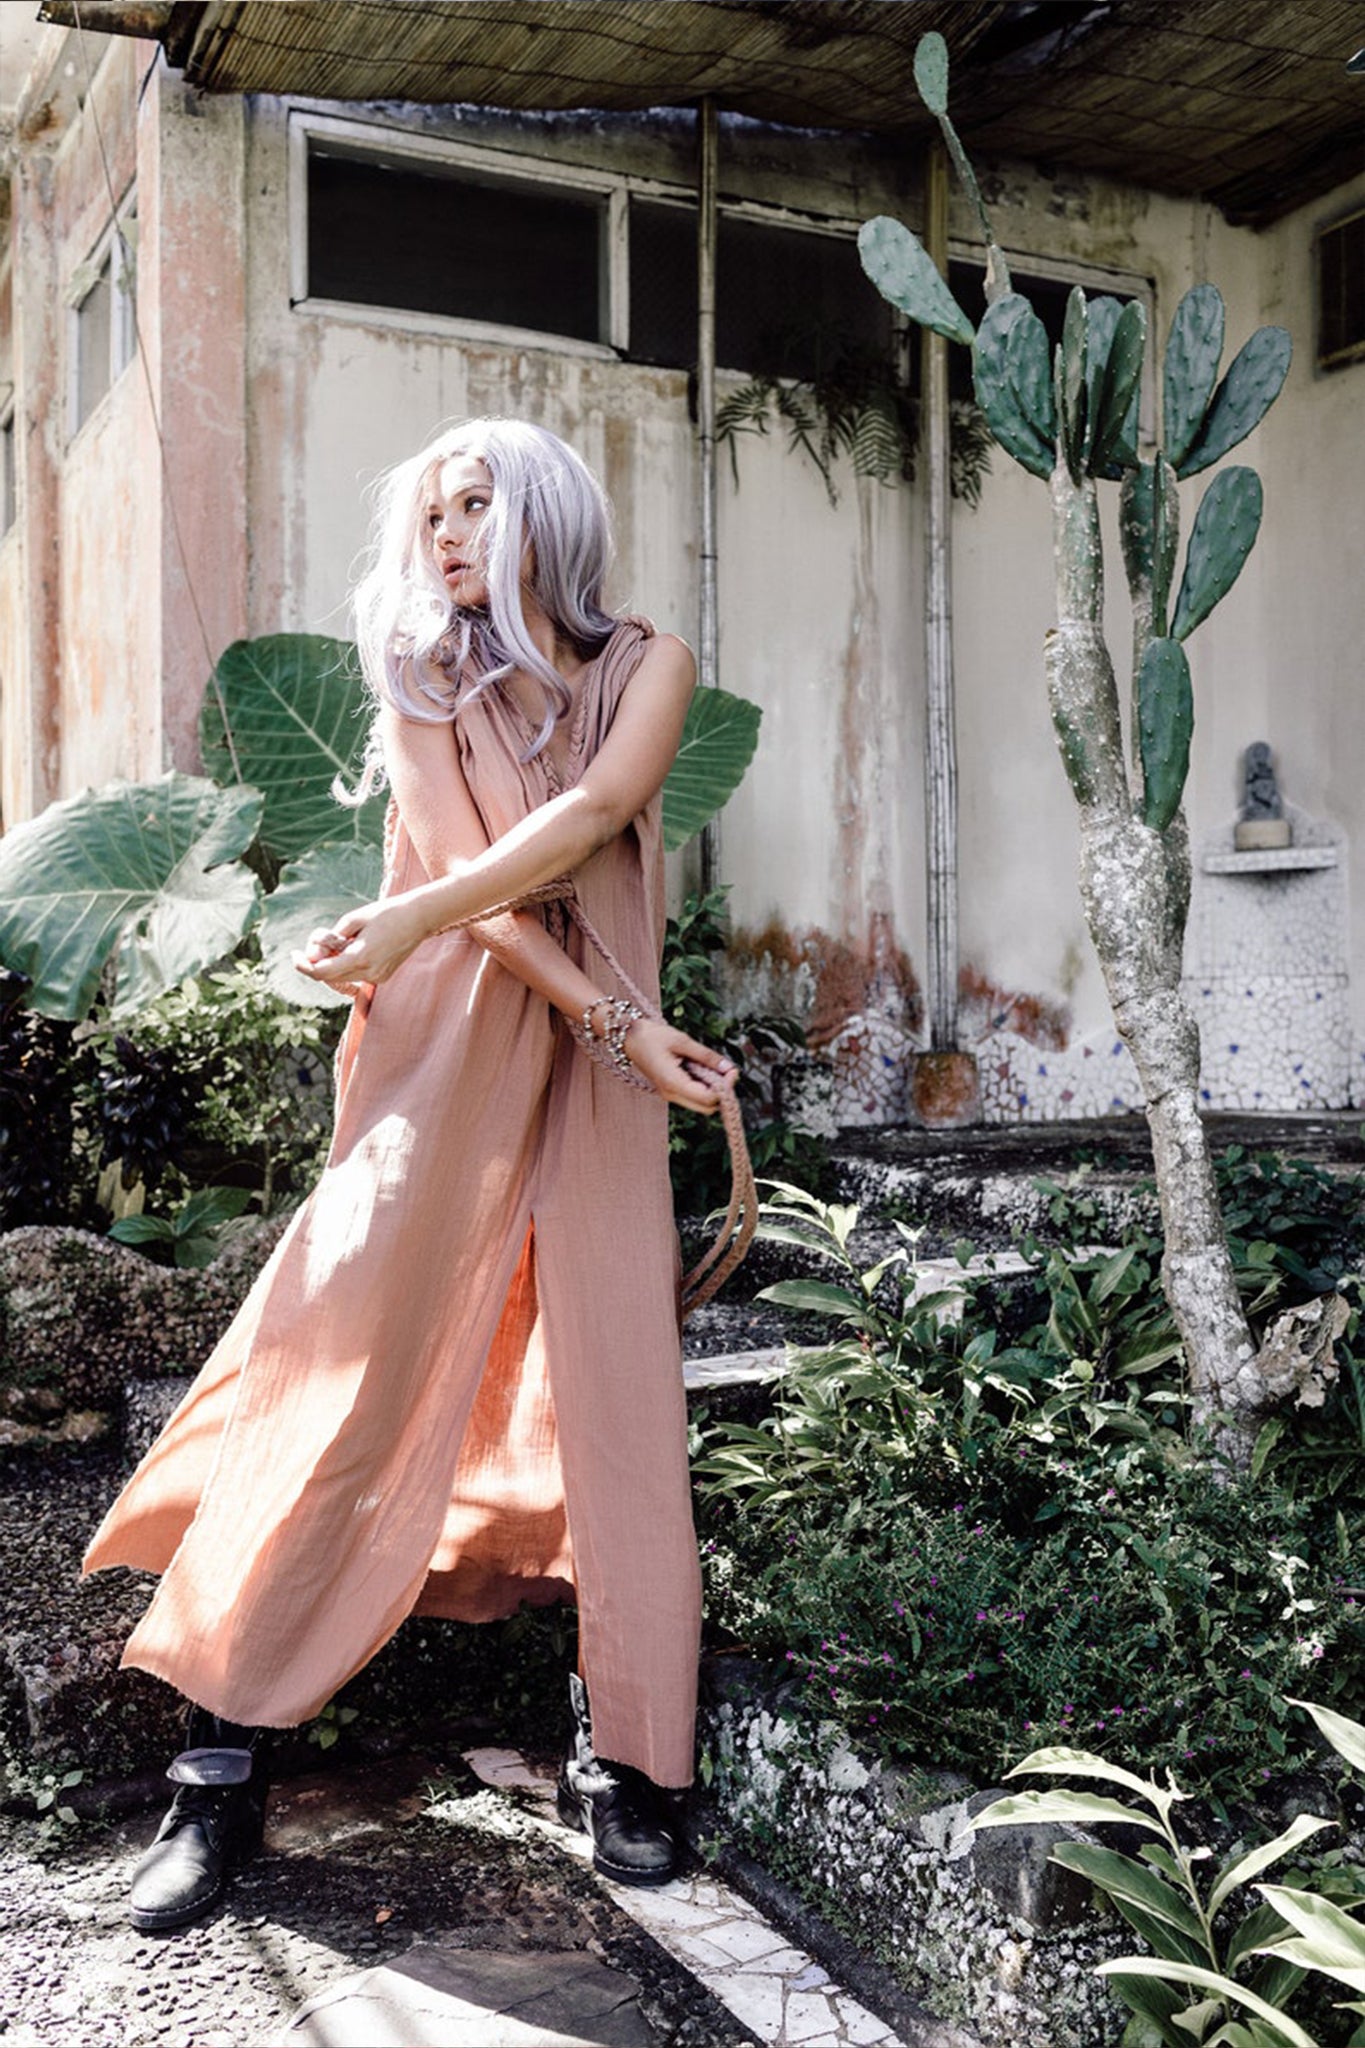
(401, 1905)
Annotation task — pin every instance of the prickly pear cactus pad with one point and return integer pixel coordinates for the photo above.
(1243, 398)
(1014, 382)
(1193, 349)
(1223, 535)
(905, 273)
(1165, 723)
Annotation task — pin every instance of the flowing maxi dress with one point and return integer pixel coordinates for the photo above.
(457, 1384)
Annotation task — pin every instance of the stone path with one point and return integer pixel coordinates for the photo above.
(783, 1994)
(401, 1902)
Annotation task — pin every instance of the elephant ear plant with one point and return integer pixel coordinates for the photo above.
(1209, 1979)
(1069, 416)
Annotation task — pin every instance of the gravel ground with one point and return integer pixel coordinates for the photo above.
(361, 1863)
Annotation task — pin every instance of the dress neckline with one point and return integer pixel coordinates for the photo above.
(562, 777)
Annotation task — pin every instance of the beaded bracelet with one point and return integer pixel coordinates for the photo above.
(609, 1047)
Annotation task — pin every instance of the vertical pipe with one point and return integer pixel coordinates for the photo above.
(708, 633)
(940, 753)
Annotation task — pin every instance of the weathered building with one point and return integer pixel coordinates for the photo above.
(321, 275)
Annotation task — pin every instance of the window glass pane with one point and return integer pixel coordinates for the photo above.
(123, 261)
(1341, 286)
(385, 233)
(789, 302)
(93, 319)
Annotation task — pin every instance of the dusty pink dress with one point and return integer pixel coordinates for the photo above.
(456, 1385)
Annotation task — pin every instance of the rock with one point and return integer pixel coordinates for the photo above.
(78, 1313)
(1012, 1865)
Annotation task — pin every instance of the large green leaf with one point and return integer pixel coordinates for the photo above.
(1124, 1878)
(297, 714)
(1030, 1809)
(1244, 1868)
(1329, 1940)
(147, 867)
(717, 746)
(1347, 1737)
(313, 890)
(1283, 2029)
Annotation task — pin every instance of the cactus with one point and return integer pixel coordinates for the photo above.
(1223, 535)
(1071, 382)
(1102, 318)
(1113, 444)
(1243, 398)
(931, 73)
(1013, 387)
(905, 273)
(1190, 371)
(1148, 525)
(1165, 722)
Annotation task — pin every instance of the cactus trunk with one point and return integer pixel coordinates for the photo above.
(1135, 886)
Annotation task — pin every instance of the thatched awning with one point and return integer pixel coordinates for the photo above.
(1250, 106)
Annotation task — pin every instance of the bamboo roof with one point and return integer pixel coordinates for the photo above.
(1248, 105)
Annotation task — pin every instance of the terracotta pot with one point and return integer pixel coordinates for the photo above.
(945, 1090)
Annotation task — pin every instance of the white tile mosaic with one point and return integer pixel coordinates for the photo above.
(1267, 972)
(780, 1992)
(1022, 1084)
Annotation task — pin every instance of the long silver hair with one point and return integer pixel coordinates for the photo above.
(426, 655)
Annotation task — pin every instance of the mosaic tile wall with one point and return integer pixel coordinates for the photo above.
(1266, 978)
(1267, 971)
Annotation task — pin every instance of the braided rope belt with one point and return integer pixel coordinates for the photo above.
(733, 1238)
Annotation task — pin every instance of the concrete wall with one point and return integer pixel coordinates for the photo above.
(278, 415)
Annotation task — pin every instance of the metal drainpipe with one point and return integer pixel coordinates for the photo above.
(708, 634)
(940, 757)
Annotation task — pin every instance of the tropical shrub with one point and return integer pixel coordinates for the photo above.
(991, 1500)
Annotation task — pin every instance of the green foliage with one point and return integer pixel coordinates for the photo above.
(984, 1498)
(1149, 521)
(1070, 378)
(699, 1158)
(718, 742)
(194, 1233)
(40, 1074)
(1165, 725)
(1177, 1899)
(1193, 349)
(1014, 384)
(905, 273)
(856, 406)
(145, 874)
(1223, 535)
(258, 1070)
(308, 894)
(288, 714)
(1114, 408)
(1242, 400)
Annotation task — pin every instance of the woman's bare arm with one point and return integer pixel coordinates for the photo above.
(449, 837)
(552, 840)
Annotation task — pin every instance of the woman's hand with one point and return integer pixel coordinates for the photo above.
(368, 944)
(681, 1068)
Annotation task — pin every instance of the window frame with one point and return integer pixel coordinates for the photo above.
(122, 308)
(1327, 364)
(378, 140)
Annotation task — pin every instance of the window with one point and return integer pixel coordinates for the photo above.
(1341, 293)
(433, 237)
(397, 223)
(104, 327)
(787, 298)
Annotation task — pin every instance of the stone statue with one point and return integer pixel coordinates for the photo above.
(1262, 827)
(1262, 790)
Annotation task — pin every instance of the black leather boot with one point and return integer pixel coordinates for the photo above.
(635, 1826)
(213, 1826)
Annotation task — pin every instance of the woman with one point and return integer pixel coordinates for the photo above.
(456, 1385)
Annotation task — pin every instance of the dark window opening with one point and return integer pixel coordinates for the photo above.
(447, 240)
(8, 482)
(790, 302)
(1341, 293)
